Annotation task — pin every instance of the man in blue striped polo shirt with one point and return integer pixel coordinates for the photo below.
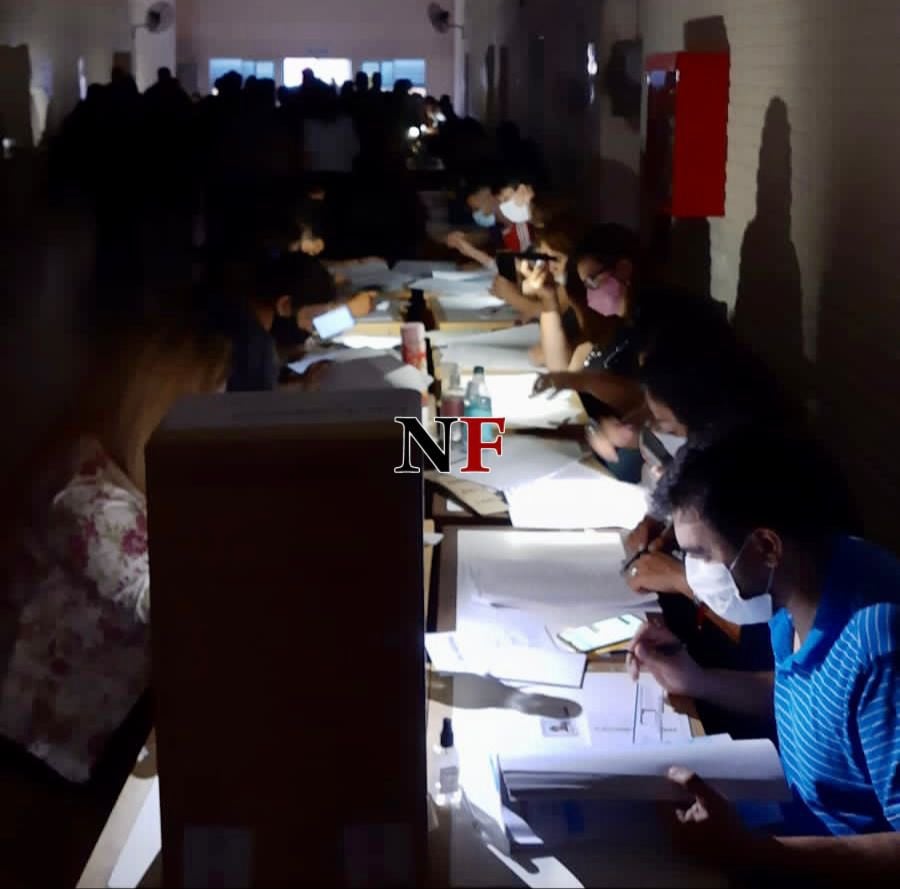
(759, 522)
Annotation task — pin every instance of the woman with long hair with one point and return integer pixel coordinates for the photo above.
(79, 598)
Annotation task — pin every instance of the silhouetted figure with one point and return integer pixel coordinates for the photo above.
(768, 314)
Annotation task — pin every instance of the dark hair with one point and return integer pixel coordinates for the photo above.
(509, 179)
(608, 243)
(297, 276)
(751, 479)
(562, 231)
(713, 388)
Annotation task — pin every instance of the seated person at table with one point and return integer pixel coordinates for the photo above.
(544, 283)
(282, 290)
(604, 267)
(764, 540)
(699, 394)
(505, 208)
(81, 590)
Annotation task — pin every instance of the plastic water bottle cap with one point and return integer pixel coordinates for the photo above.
(447, 734)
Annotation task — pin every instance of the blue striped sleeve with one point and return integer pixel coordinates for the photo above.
(878, 711)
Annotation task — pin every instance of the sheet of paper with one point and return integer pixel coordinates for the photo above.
(479, 499)
(621, 712)
(408, 377)
(483, 276)
(494, 359)
(419, 268)
(374, 372)
(360, 341)
(597, 502)
(144, 843)
(569, 576)
(307, 361)
(523, 460)
(491, 654)
(511, 398)
(520, 337)
(454, 288)
(741, 770)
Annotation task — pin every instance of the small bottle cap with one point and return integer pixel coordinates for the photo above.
(479, 370)
(447, 734)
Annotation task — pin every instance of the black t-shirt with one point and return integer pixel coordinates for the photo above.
(620, 356)
(254, 363)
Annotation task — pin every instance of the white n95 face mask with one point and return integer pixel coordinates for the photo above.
(516, 213)
(714, 585)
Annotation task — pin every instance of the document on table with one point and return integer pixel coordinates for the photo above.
(374, 372)
(469, 355)
(339, 356)
(524, 459)
(455, 288)
(565, 578)
(482, 276)
(521, 337)
(588, 500)
(511, 397)
(418, 268)
(747, 771)
(495, 654)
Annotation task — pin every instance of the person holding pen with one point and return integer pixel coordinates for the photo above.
(765, 540)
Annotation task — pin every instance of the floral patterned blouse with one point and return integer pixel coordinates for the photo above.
(81, 656)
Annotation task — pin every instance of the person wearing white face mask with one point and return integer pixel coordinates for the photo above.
(697, 394)
(505, 208)
(762, 521)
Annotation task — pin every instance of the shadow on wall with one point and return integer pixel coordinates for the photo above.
(768, 314)
(858, 357)
(15, 95)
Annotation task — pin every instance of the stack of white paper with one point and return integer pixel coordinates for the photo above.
(523, 459)
(590, 499)
(564, 578)
(486, 655)
(740, 770)
(511, 396)
(453, 287)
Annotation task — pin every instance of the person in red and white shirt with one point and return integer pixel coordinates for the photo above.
(505, 207)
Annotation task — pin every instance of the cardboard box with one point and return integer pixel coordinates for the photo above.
(287, 625)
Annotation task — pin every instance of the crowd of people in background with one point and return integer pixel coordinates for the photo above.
(261, 193)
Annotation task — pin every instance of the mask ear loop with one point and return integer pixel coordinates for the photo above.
(771, 580)
(740, 552)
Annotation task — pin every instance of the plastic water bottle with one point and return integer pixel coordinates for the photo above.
(477, 403)
(444, 778)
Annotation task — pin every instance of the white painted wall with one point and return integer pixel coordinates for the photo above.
(151, 51)
(274, 29)
(807, 249)
(57, 33)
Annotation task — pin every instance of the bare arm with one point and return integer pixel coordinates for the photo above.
(556, 350)
(863, 859)
(751, 694)
(460, 242)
